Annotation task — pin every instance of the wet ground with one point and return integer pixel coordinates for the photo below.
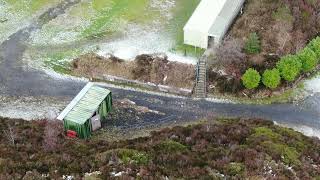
(24, 90)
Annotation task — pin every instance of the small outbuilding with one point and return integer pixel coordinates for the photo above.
(210, 22)
(86, 111)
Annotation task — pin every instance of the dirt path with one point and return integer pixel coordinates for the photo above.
(17, 81)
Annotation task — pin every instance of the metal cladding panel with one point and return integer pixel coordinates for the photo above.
(87, 105)
(204, 15)
(225, 19)
(195, 38)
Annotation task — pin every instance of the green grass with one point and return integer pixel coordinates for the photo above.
(56, 60)
(112, 16)
(109, 19)
(17, 13)
(283, 13)
(182, 13)
(284, 97)
(29, 6)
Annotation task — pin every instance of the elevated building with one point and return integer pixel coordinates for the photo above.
(210, 22)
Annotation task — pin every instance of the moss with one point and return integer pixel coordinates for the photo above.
(127, 156)
(289, 155)
(285, 97)
(171, 146)
(111, 17)
(226, 121)
(2, 164)
(267, 133)
(283, 14)
(296, 138)
(235, 168)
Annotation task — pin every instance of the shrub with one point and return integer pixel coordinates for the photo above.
(133, 156)
(289, 155)
(51, 135)
(253, 45)
(251, 79)
(289, 67)
(271, 78)
(172, 146)
(127, 156)
(230, 52)
(267, 133)
(235, 169)
(308, 59)
(315, 46)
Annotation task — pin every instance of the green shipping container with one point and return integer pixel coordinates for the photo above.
(91, 101)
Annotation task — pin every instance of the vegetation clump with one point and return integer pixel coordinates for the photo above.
(289, 67)
(234, 148)
(235, 168)
(253, 45)
(308, 59)
(271, 78)
(172, 146)
(315, 46)
(273, 32)
(251, 79)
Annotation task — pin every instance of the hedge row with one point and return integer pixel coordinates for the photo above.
(289, 68)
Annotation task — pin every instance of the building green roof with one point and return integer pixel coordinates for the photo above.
(85, 104)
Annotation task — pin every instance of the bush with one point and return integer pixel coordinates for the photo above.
(253, 45)
(271, 78)
(127, 156)
(308, 59)
(288, 155)
(235, 169)
(51, 135)
(315, 46)
(289, 67)
(170, 146)
(266, 133)
(251, 79)
(133, 156)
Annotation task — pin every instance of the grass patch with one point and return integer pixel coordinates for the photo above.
(267, 133)
(182, 13)
(112, 16)
(59, 61)
(289, 155)
(30, 6)
(235, 168)
(284, 97)
(283, 13)
(171, 146)
(127, 156)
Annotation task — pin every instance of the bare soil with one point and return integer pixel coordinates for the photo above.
(146, 68)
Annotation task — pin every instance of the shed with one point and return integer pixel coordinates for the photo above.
(86, 111)
(210, 22)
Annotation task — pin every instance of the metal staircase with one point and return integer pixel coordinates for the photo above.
(201, 78)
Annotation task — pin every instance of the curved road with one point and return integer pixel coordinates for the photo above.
(16, 80)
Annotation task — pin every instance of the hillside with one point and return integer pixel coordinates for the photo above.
(234, 149)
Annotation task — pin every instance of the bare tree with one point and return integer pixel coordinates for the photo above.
(51, 132)
(230, 57)
(10, 134)
(230, 52)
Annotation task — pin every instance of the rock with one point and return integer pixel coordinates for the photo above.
(188, 139)
(276, 93)
(174, 137)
